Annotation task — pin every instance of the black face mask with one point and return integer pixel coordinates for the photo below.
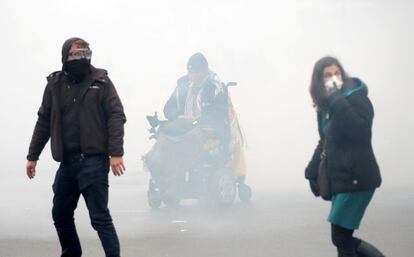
(78, 69)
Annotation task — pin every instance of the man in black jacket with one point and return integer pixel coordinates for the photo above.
(83, 116)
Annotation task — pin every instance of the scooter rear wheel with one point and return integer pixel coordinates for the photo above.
(223, 187)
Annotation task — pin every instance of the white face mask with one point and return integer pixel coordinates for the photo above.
(334, 82)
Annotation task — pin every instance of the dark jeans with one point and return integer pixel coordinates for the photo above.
(86, 175)
(344, 241)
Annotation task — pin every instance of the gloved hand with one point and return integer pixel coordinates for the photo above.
(314, 187)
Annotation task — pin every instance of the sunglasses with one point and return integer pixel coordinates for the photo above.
(79, 54)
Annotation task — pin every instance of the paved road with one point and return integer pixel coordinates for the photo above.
(285, 223)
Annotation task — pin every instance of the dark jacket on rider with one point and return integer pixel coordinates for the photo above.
(213, 102)
(347, 141)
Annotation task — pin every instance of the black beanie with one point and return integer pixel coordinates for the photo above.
(197, 62)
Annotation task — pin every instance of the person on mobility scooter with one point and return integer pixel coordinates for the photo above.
(199, 148)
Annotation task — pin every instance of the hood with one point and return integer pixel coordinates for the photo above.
(66, 47)
(355, 85)
(99, 75)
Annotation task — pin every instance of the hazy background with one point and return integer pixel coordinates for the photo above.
(268, 47)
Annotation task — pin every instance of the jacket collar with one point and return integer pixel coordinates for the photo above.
(354, 86)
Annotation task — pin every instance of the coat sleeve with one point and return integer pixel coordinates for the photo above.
(115, 120)
(215, 113)
(41, 133)
(311, 171)
(217, 110)
(354, 113)
(171, 107)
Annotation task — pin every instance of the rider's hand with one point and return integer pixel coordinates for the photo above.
(184, 117)
(186, 121)
(117, 165)
(31, 169)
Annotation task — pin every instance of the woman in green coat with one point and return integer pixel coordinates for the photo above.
(343, 168)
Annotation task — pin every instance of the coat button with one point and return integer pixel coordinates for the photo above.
(355, 182)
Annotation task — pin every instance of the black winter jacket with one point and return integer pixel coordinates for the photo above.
(101, 117)
(347, 141)
(214, 104)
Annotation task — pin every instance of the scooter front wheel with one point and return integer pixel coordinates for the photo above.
(223, 187)
(154, 199)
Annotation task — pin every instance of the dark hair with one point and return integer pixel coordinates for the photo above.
(81, 43)
(317, 88)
